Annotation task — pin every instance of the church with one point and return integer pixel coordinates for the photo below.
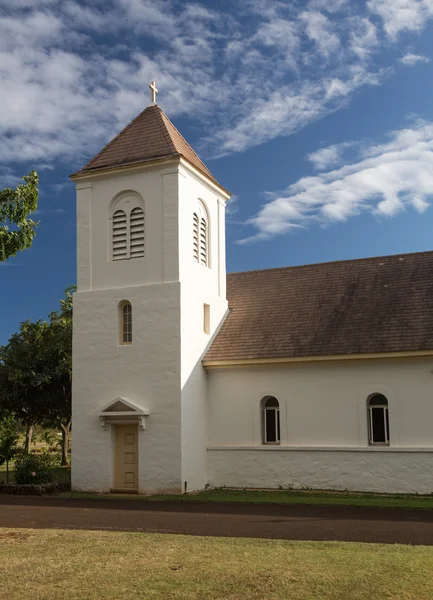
(317, 376)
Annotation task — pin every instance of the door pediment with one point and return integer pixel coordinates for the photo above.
(122, 411)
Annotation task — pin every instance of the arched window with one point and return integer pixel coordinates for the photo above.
(271, 420)
(200, 235)
(128, 227)
(378, 419)
(120, 235)
(125, 322)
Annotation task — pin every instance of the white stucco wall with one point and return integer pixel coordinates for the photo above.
(324, 441)
(384, 471)
(161, 371)
(199, 285)
(158, 189)
(147, 373)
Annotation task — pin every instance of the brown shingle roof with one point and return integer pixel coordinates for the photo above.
(151, 135)
(371, 305)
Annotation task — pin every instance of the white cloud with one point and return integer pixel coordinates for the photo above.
(320, 30)
(402, 15)
(412, 59)
(387, 179)
(72, 74)
(363, 38)
(323, 158)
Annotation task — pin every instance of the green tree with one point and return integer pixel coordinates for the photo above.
(16, 229)
(9, 434)
(23, 375)
(36, 373)
(59, 357)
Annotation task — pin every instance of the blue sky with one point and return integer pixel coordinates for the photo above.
(317, 115)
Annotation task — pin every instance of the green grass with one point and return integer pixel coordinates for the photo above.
(72, 565)
(60, 474)
(279, 497)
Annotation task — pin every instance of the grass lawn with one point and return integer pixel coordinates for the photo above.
(280, 497)
(61, 474)
(48, 564)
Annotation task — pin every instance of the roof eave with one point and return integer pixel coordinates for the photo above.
(86, 173)
(247, 362)
(179, 158)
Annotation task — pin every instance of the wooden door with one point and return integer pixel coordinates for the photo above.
(126, 458)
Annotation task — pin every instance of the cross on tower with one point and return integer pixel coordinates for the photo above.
(154, 91)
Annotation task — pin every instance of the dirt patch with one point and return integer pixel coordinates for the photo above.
(14, 535)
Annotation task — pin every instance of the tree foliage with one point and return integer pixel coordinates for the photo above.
(36, 373)
(9, 435)
(16, 229)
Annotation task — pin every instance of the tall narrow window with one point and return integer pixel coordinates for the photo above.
(136, 228)
(206, 318)
(378, 419)
(125, 315)
(195, 237)
(271, 421)
(120, 235)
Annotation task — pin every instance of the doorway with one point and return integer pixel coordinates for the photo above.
(126, 458)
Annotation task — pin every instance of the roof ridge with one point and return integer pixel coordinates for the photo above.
(160, 118)
(331, 262)
(187, 143)
(124, 130)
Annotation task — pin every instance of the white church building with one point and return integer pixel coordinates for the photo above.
(184, 377)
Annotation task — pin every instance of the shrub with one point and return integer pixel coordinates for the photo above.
(33, 468)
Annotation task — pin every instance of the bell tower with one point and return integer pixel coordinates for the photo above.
(151, 294)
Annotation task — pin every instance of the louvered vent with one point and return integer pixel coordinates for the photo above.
(195, 238)
(119, 235)
(203, 242)
(137, 233)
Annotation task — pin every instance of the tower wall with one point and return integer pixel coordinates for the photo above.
(161, 371)
(199, 285)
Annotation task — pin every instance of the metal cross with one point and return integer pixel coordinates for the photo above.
(154, 91)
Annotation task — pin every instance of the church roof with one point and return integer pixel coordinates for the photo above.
(150, 136)
(371, 305)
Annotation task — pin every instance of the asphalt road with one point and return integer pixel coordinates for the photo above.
(289, 522)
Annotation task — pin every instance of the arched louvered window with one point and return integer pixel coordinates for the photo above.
(125, 322)
(128, 227)
(195, 235)
(136, 227)
(120, 235)
(200, 235)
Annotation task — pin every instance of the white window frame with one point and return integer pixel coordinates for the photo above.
(265, 411)
(385, 411)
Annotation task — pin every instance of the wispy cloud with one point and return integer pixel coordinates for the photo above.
(412, 59)
(402, 15)
(323, 158)
(246, 76)
(385, 180)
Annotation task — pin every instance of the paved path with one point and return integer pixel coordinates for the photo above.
(289, 522)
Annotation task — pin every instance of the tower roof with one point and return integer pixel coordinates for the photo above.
(150, 136)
